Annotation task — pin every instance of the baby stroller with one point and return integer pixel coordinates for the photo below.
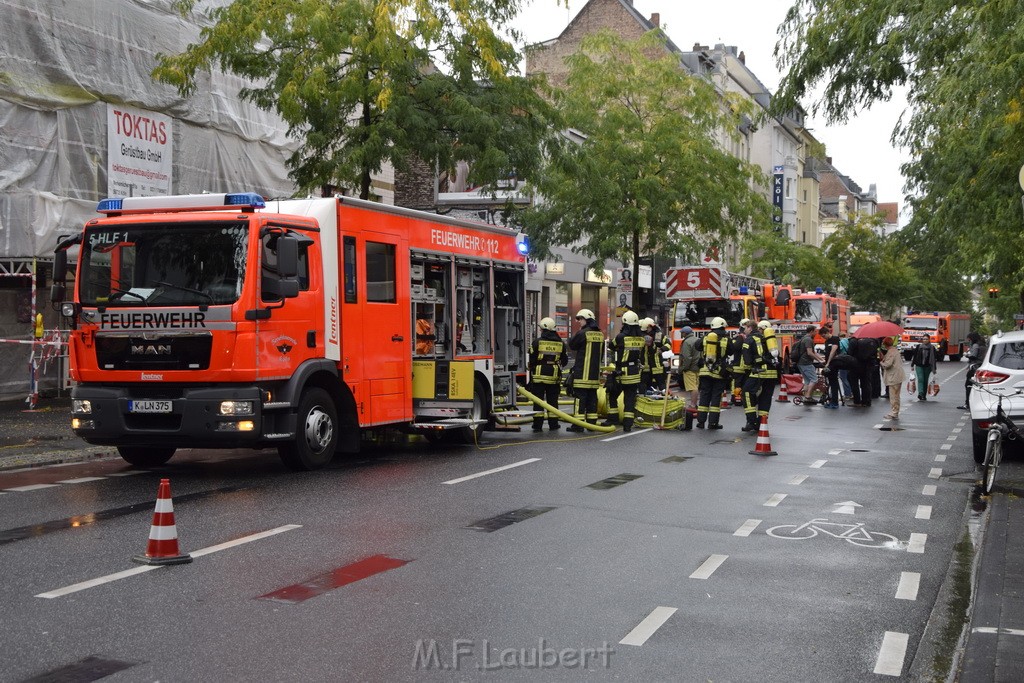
(820, 392)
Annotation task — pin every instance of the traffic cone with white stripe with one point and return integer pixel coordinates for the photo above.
(726, 403)
(783, 396)
(163, 534)
(763, 446)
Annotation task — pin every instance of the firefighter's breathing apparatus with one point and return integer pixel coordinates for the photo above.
(561, 415)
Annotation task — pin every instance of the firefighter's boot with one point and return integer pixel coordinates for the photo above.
(752, 423)
(575, 428)
(538, 424)
(627, 424)
(554, 424)
(611, 420)
(713, 421)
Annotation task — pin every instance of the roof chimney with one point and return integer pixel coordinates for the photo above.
(656, 19)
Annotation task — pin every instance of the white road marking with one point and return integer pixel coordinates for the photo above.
(924, 512)
(916, 543)
(798, 479)
(941, 457)
(928, 490)
(892, 653)
(945, 446)
(818, 464)
(484, 474)
(1000, 631)
(624, 435)
(957, 430)
(950, 438)
(709, 566)
(879, 426)
(646, 628)
(32, 487)
(910, 582)
(774, 500)
(128, 473)
(935, 473)
(747, 527)
(847, 507)
(81, 480)
(835, 451)
(91, 583)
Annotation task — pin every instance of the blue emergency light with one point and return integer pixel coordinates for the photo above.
(523, 244)
(181, 202)
(818, 290)
(744, 290)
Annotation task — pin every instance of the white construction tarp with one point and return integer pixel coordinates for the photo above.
(62, 63)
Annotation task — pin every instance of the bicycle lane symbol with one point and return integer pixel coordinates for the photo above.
(854, 533)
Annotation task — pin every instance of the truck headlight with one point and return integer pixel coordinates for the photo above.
(81, 406)
(235, 408)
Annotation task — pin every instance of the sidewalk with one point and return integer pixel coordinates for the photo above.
(32, 438)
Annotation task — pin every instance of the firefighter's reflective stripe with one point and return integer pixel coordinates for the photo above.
(629, 358)
(588, 361)
(547, 358)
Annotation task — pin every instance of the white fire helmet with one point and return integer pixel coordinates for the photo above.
(547, 324)
(586, 314)
(764, 325)
(630, 318)
(717, 323)
(646, 323)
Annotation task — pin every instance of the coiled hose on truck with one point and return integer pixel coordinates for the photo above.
(561, 415)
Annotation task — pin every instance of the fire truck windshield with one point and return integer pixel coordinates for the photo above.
(699, 314)
(809, 310)
(912, 323)
(173, 264)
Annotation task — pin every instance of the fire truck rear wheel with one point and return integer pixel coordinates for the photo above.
(144, 456)
(316, 434)
(480, 411)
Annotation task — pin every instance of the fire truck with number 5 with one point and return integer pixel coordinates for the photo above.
(219, 321)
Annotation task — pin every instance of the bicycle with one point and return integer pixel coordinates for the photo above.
(820, 391)
(1000, 429)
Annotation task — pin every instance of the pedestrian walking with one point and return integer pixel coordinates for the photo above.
(627, 365)
(974, 356)
(893, 375)
(761, 353)
(548, 355)
(806, 357)
(832, 343)
(844, 375)
(712, 375)
(923, 361)
(588, 346)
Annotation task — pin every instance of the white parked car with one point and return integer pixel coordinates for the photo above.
(1002, 372)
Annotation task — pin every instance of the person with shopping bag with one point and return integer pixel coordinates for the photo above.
(923, 361)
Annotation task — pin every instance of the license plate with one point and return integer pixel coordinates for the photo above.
(149, 406)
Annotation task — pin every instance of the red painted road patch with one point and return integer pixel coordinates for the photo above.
(350, 573)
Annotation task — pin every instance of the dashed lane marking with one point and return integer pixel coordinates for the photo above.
(485, 473)
(923, 512)
(798, 479)
(80, 480)
(747, 527)
(32, 487)
(774, 500)
(818, 464)
(91, 583)
(708, 567)
(951, 438)
(941, 457)
(909, 584)
(892, 653)
(997, 630)
(916, 543)
(646, 628)
(935, 473)
(928, 490)
(945, 447)
(957, 430)
(624, 435)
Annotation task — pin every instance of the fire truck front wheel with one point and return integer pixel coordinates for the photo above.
(316, 434)
(145, 456)
(481, 412)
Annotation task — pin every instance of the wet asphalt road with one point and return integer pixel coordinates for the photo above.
(651, 556)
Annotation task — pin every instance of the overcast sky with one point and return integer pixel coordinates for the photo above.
(859, 149)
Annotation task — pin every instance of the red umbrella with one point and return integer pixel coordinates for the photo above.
(878, 329)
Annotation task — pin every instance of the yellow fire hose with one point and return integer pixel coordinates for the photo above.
(561, 415)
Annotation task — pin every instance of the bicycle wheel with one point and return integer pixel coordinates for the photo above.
(875, 539)
(993, 455)
(792, 531)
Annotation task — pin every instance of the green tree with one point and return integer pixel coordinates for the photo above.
(962, 66)
(649, 175)
(364, 82)
(770, 255)
(875, 270)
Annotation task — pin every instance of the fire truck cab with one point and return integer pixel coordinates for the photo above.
(219, 321)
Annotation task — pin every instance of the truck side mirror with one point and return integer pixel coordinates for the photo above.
(782, 298)
(288, 257)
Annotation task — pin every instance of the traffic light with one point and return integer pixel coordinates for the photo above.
(993, 292)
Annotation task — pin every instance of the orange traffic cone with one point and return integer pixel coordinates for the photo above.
(783, 394)
(763, 446)
(163, 534)
(726, 403)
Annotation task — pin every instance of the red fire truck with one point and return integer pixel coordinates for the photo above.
(703, 293)
(219, 321)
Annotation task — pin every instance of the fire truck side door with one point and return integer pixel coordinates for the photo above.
(386, 338)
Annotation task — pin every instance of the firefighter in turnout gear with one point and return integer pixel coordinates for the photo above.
(628, 365)
(713, 375)
(761, 353)
(740, 369)
(587, 346)
(655, 344)
(548, 355)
